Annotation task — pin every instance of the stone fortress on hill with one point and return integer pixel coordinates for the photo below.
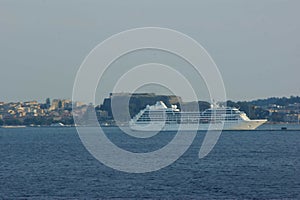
(137, 102)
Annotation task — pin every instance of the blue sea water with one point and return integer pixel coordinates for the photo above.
(52, 163)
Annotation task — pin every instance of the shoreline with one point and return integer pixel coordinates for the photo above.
(265, 127)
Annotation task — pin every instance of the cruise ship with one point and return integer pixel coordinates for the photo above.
(159, 117)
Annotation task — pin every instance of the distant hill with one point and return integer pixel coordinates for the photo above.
(137, 102)
(274, 108)
(281, 101)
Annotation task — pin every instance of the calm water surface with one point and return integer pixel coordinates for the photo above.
(51, 163)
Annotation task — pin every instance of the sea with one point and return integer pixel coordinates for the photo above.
(52, 163)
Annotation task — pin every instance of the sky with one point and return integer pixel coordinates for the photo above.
(255, 44)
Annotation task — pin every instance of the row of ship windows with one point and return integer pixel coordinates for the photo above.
(178, 120)
(189, 122)
(185, 114)
(188, 117)
(208, 112)
(175, 118)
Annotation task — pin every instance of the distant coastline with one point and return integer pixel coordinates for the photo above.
(265, 127)
(60, 112)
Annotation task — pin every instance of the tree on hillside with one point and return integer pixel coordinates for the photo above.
(48, 103)
(232, 104)
(247, 108)
(59, 104)
(12, 122)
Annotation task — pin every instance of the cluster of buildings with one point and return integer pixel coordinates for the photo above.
(19, 109)
(289, 113)
(35, 113)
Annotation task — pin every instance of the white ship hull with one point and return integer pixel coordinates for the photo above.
(240, 125)
(159, 117)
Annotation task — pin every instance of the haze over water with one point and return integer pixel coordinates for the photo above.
(255, 44)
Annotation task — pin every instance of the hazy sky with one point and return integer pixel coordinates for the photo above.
(255, 44)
